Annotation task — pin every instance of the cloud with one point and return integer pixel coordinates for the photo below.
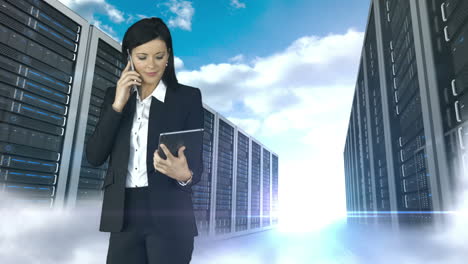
(184, 13)
(267, 85)
(88, 8)
(178, 63)
(237, 4)
(32, 234)
(108, 29)
(237, 59)
(251, 126)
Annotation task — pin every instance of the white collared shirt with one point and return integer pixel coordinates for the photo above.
(136, 171)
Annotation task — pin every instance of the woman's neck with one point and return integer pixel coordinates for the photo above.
(147, 89)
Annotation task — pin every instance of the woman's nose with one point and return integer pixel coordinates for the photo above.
(151, 63)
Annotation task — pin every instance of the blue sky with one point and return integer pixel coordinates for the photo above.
(283, 71)
(220, 30)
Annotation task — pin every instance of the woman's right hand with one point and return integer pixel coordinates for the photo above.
(124, 84)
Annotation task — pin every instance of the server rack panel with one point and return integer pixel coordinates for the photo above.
(242, 177)
(365, 144)
(274, 184)
(445, 28)
(377, 131)
(39, 48)
(201, 196)
(408, 131)
(224, 180)
(104, 68)
(266, 186)
(255, 184)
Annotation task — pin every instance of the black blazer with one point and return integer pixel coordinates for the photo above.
(171, 204)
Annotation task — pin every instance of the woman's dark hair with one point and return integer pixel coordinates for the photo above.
(148, 29)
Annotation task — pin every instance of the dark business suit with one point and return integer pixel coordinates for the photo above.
(170, 203)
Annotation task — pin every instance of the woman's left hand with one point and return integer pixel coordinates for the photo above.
(174, 167)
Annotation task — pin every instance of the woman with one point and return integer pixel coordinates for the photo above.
(147, 203)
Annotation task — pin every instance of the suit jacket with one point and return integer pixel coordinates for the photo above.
(171, 203)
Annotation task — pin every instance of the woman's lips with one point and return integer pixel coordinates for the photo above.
(152, 74)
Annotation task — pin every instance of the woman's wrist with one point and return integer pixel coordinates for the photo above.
(187, 177)
(117, 108)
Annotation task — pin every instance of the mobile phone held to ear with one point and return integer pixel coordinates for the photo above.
(132, 67)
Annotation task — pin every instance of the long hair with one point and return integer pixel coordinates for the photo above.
(145, 30)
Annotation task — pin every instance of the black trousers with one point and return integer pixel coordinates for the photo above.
(139, 242)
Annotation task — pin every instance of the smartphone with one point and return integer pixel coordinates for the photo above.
(132, 67)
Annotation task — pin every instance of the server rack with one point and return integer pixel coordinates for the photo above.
(415, 56)
(242, 181)
(274, 187)
(255, 185)
(104, 67)
(364, 146)
(266, 187)
(224, 177)
(42, 45)
(202, 192)
(413, 191)
(444, 29)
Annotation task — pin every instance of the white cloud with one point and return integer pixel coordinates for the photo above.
(237, 4)
(88, 8)
(184, 13)
(267, 85)
(250, 126)
(178, 63)
(237, 59)
(108, 29)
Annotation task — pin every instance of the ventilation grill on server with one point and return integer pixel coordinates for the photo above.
(107, 70)
(413, 192)
(202, 190)
(255, 195)
(356, 172)
(242, 193)
(376, 124)
(38, 48)
(224, 178)
(367, 195)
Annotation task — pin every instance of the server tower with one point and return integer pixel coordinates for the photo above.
(242, 181)
(42, 48)
(266, 187)
(224, 177)
(255, 200)
(414, 65)
(274, 189)
(443, 27)
(104, 67)
(203, 191)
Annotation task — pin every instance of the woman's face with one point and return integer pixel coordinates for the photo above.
(150, 60)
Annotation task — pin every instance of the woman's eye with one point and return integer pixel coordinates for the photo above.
(141, 58)
(159, 58)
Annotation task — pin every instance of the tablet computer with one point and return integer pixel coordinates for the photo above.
(191, 139)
